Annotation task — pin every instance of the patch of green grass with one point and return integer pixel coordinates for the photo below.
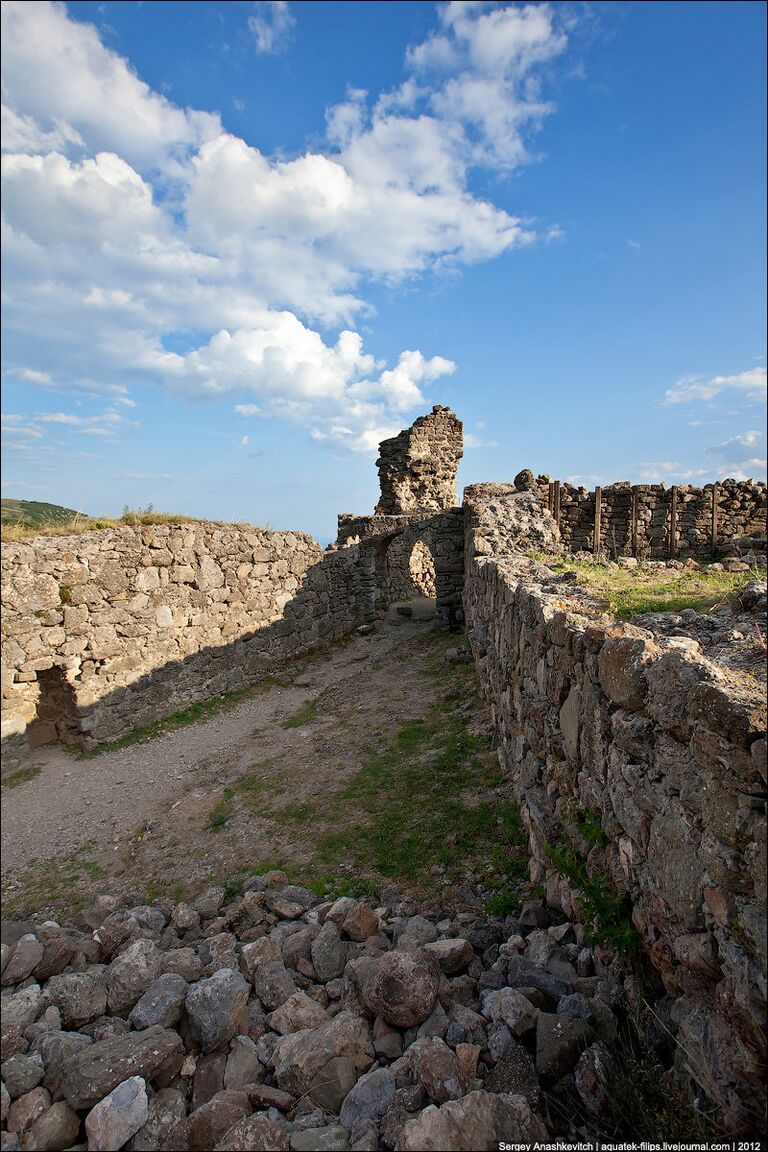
(412, 806)
(194, 714)
(57, 885)
(304, 716)
(221, 813)
(607, 914)
(65, 594)
(21, 776)
(626, 592)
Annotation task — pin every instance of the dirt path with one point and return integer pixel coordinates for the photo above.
(252, 787)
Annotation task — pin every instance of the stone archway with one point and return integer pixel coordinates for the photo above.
(56, 712)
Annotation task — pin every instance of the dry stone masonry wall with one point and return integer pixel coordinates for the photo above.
(417, 468)
(638, 763)
(640, 768)
(109, 630)
(653, 521)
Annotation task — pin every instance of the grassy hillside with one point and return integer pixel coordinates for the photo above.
(34, 514)
(23, 518)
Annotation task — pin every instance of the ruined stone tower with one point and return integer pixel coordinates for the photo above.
(417, 468)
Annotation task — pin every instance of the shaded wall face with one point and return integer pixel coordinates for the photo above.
(644, 764)
(417, 468)
(139, 622)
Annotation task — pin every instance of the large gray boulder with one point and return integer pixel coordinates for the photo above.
(89, 1075)
(118, 1116)
(215, 1007)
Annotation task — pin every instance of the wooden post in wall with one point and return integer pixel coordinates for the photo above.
(550, 491)
(556, 502)
(714, 516)
(598, 506)
(633, 533)
(673, 523)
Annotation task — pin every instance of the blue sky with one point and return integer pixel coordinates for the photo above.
(243, 242)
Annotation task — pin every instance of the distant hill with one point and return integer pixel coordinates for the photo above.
(35, 514)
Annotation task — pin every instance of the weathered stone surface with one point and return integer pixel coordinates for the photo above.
(117, 1117)
(300, 1056)
(478, 1121)
(328, 953)
(27, 954)
(273, 984)
(208, 1078)
(402, 987)
(57, 953)
(331, 1085)
(360, 922)
(418, 929)
(57, 1128)
(79, 996)
(297, 1012)
(258, 952)
(22, 1007)
(129, 976)
(89, 1075)
(264, 1096)
(330, 1138)
(185, 962)
(243, 1065)
(215, 1007)
(185, 917)
(257, 1133)
(622, 664)
(367, 1102)
(162, 1003)
(56, 1048)
(165, 1109)
(25, 1111)
(452, 955)
(22, 1073)
(559, 1043)
(437, 1069)
(510, 1007)
(204, 1128)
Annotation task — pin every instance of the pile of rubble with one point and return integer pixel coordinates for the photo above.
(279, 1021)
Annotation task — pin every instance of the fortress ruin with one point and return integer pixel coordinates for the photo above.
(597, 722)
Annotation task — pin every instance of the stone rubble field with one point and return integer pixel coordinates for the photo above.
(281, 1021)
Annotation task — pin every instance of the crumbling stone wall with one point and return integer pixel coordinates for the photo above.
(644, 763)
(144, 621)
(417, 468)
(653, 521)
(386, 548)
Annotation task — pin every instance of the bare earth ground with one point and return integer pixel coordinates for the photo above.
(261, 785)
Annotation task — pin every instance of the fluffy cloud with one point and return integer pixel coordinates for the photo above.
(66, 86)
(152, 247)
(339, 391)
(742, 457)
(750, 385)
(271, 25)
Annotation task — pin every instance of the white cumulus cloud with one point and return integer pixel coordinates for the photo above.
(751, 385)
(151, 247)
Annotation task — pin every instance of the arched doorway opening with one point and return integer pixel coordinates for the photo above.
(421, 570)
(56, 713)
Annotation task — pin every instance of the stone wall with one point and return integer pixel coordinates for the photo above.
(109, 630)
(637, 520)
(417, 468)
(639, 764)
(403, 557)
